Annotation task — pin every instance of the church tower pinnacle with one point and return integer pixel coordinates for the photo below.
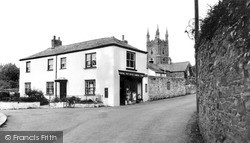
(148, 36)
(157, 35)
(166, 35)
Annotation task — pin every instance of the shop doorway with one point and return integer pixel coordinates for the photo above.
(130, 89)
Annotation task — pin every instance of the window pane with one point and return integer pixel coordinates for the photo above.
(27, 87)
(93, 59)
(50, 88)
(132, 64)
(94, 56)
(128, 56)
(94, 62)
(63, 63)
(127, 63)
(27, 66)
(88, 64)
(130, 60)
(132, 56)
(88, 57)
(90, 87)
(50, 64)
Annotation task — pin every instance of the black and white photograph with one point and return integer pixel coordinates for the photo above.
(124, 71)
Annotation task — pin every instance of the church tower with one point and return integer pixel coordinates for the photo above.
(158, 50)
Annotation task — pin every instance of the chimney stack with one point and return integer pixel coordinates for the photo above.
(55, 43)
(123, 39)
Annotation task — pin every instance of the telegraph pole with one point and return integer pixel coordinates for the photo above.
(196, 12)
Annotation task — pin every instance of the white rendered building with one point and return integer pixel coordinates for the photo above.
(106, 67)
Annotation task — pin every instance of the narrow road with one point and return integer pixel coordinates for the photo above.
(158, 121)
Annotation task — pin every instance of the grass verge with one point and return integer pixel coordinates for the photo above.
(192, 130)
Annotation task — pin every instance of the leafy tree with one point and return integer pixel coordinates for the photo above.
(9, 76)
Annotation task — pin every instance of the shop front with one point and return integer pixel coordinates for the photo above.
(130, 87)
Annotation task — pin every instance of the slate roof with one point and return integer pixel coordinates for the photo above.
(155, 68)
(173, 67)
(82, 46)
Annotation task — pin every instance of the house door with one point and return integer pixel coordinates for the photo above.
(63, 89)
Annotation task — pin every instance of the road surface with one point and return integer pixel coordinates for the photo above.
(151, 122)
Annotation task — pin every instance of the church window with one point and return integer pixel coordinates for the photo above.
(163, 51)
(151, 51)
(151, 61)
(168, 85)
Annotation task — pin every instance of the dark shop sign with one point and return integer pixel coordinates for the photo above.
(131, 74)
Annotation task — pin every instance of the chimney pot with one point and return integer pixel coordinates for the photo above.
(55, 42)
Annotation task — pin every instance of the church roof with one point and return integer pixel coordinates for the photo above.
(173, 67)
(82, 46)
(154, 67)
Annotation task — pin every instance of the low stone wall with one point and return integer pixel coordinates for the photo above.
(57, 104)
(158, 87)
(18, 105)
(77, 105)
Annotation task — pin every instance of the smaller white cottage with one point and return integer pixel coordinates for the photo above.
(106, 67)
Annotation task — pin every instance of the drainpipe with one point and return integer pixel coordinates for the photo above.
(56, 78)
(196, 6)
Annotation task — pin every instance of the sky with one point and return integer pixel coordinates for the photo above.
(27, 26)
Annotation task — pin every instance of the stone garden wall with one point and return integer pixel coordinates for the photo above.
(223, 73)
(159, 89)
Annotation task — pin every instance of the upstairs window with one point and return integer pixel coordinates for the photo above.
(130, 60)
(50, 65)
(63, 63)
(50, 88)
(89, 87)
(27, 86)
(90, 60)
(28, 66)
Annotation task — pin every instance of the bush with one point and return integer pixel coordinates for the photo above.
(36, 95)
(27, 99)
(77, 99)
(4, 96)
(56, 99)
(89, 101)
(64, 99)
(227, 13)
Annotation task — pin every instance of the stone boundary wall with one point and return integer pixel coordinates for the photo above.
(224, 77)
(18, 105)
(157, 87)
